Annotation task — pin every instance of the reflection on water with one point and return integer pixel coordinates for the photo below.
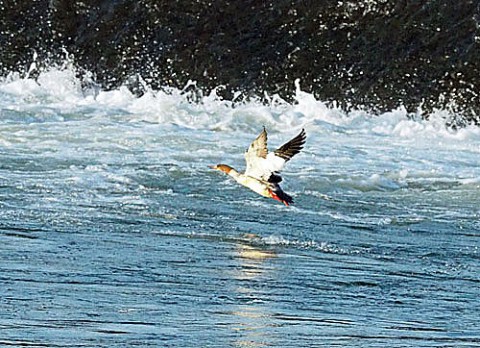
(254, 315)
(252, 259)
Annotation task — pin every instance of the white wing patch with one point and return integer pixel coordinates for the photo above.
(263, 168)
(262, 165)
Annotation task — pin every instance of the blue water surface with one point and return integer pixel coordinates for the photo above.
(114, 232)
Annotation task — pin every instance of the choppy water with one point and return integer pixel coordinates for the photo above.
(114, 232)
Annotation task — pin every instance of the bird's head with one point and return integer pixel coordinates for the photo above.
(222, 167)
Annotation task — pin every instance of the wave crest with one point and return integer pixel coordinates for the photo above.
(60, 90)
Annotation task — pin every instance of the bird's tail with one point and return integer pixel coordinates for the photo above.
(279, 195)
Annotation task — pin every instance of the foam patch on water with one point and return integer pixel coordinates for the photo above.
(352, 151)
(375, 182)
(323, 247)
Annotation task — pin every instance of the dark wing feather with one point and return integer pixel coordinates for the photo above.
(290, 149)
(274, 178)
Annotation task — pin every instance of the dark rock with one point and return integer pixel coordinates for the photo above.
(374, 54)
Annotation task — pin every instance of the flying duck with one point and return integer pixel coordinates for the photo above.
(262, 174)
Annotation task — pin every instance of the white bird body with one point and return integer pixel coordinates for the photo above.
(262, 172)
(252, 183)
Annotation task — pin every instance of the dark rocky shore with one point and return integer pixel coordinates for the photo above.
(375, 54)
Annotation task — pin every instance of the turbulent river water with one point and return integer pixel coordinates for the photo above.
(114, 231)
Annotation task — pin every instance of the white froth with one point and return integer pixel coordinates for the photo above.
(350, 151)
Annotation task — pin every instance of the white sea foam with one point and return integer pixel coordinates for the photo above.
(60, 89)
(325, 247)
(351, 150)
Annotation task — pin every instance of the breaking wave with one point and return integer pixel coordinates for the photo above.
(59, 94)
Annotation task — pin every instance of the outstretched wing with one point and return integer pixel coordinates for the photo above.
(258, 148)
(291, 148)
(256, 153)
(267, 168)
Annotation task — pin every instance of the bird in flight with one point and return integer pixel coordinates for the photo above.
(262, 174)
